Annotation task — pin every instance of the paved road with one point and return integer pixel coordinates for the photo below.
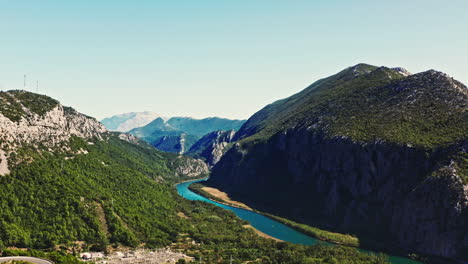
(28, 259)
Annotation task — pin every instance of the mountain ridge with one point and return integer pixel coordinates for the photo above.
(50, 128)
(178, 134)
(373, 151)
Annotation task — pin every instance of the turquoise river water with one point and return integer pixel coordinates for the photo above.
(269, 226)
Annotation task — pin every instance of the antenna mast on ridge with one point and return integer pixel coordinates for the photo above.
(24, 84)
(37, 86)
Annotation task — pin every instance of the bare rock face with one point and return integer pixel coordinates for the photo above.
(3, 163)
(49, 129)
(54, 127)
(212, 146)
(189, 167)
(129, 138)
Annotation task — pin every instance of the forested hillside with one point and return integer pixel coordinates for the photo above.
(73, 186)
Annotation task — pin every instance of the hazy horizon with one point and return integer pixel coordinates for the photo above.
(212, 58)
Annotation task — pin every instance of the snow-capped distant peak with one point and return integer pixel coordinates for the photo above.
(128, 121)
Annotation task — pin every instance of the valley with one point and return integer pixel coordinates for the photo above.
(233, 132)
(299, 172)
(266, 224)
(75, 187)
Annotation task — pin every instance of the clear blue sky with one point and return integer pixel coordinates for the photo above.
(216, 58)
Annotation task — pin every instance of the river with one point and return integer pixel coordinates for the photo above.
(269, 226)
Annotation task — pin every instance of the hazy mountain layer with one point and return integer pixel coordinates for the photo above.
(178, 134)
(128, 121)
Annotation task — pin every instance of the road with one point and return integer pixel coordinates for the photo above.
(28, 259)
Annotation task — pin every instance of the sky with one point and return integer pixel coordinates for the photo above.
(216, 57)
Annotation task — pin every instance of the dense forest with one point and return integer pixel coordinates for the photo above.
(118, 193)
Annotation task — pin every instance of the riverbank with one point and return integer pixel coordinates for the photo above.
(218, 196)
(188, 179)
(281, 231)
(260, 233)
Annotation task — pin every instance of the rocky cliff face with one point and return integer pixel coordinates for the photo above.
(212, 146)
(398, 194)
(24, 123)
(30, 120)
(371, 151)
(54, 127)
(189, 167)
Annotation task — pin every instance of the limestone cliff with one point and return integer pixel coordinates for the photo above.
(185, 166)
(31, 120)
(212, 146)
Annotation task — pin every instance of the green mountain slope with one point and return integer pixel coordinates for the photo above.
(68, 179)
(372, 151)
(365, 103)
(55, 200)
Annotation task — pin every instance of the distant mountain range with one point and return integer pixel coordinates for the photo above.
(176, 134)
(126, 122)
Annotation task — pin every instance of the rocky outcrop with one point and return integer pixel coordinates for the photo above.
(129, 138)
(39, 122)
(54, 127)
(25, 122)
(402, 195)
(185, 166)
(3, 164)
(212, 146)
